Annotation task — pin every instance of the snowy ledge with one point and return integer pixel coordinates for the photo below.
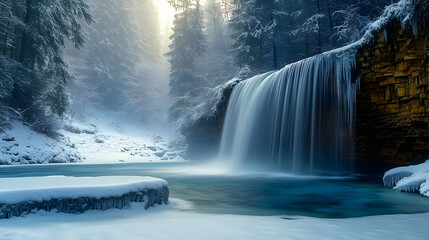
(21, 196)
(413, 179)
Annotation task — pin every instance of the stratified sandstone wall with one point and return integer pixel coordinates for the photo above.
(392, 124)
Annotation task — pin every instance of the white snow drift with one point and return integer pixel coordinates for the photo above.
(409, 179)
(177, 221)
(98, 139)
(16, 190)
(20, 144)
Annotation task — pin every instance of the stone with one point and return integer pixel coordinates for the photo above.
(393, 127)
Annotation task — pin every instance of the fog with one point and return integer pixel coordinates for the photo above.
(122, 67)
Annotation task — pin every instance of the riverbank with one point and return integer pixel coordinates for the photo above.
(176, 222)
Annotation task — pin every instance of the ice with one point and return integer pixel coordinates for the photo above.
(403, 11)
(179, 221)
(409, 179)
(20, 196)
(391, 179)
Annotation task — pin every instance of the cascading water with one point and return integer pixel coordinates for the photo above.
(297, 119)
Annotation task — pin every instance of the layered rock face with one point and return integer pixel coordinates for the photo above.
(392, 123)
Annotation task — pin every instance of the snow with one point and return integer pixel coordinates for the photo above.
(178, 221)
(206, 102)
(22, 196)
(24, 189)
(19, 144)
(109, 139)
(409, 179)
(99, 138)
(403, 11)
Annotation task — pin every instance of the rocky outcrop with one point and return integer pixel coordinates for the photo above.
(150, 197)
(392, 112)
(392, 117)
(22, 196)
(203, 136)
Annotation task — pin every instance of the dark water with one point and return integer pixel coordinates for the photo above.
(254, 194)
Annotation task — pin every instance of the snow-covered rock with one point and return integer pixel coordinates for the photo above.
(409, 179)
(20, 196)
(19, 144)
(80, 127)
(112, 142)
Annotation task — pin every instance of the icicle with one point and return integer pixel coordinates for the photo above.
(391, 180)
(149, 197)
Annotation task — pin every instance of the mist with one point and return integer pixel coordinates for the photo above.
(214, 119)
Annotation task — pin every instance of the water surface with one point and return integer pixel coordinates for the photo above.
(253, 194)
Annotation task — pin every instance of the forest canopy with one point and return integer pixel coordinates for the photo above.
(57, 57)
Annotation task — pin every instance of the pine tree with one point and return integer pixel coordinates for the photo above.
(188, 43)
(247, 30)
(32, 48)
(268, 34)
(216, 64)
(125, 35)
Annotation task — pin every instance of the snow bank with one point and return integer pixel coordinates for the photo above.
(109, 139)
(100, 138)
(20, 196)
(409, 179)
(20, 144)
(175, 222)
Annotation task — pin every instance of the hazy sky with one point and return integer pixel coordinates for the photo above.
(165, 14)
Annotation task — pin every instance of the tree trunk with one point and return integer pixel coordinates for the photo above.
(319, 37)
(331, 25)
(23, 54)
(6, 35)
(275, 61)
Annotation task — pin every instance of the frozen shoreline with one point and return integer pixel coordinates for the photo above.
(21, 196)
(177, 221)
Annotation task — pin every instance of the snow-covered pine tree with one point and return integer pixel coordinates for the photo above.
(268, 34)
(247, 33)
(32, 55)
(216, 64)
(125, 34)
(188, 43)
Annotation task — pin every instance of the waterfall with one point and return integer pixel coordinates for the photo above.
(298, 119)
